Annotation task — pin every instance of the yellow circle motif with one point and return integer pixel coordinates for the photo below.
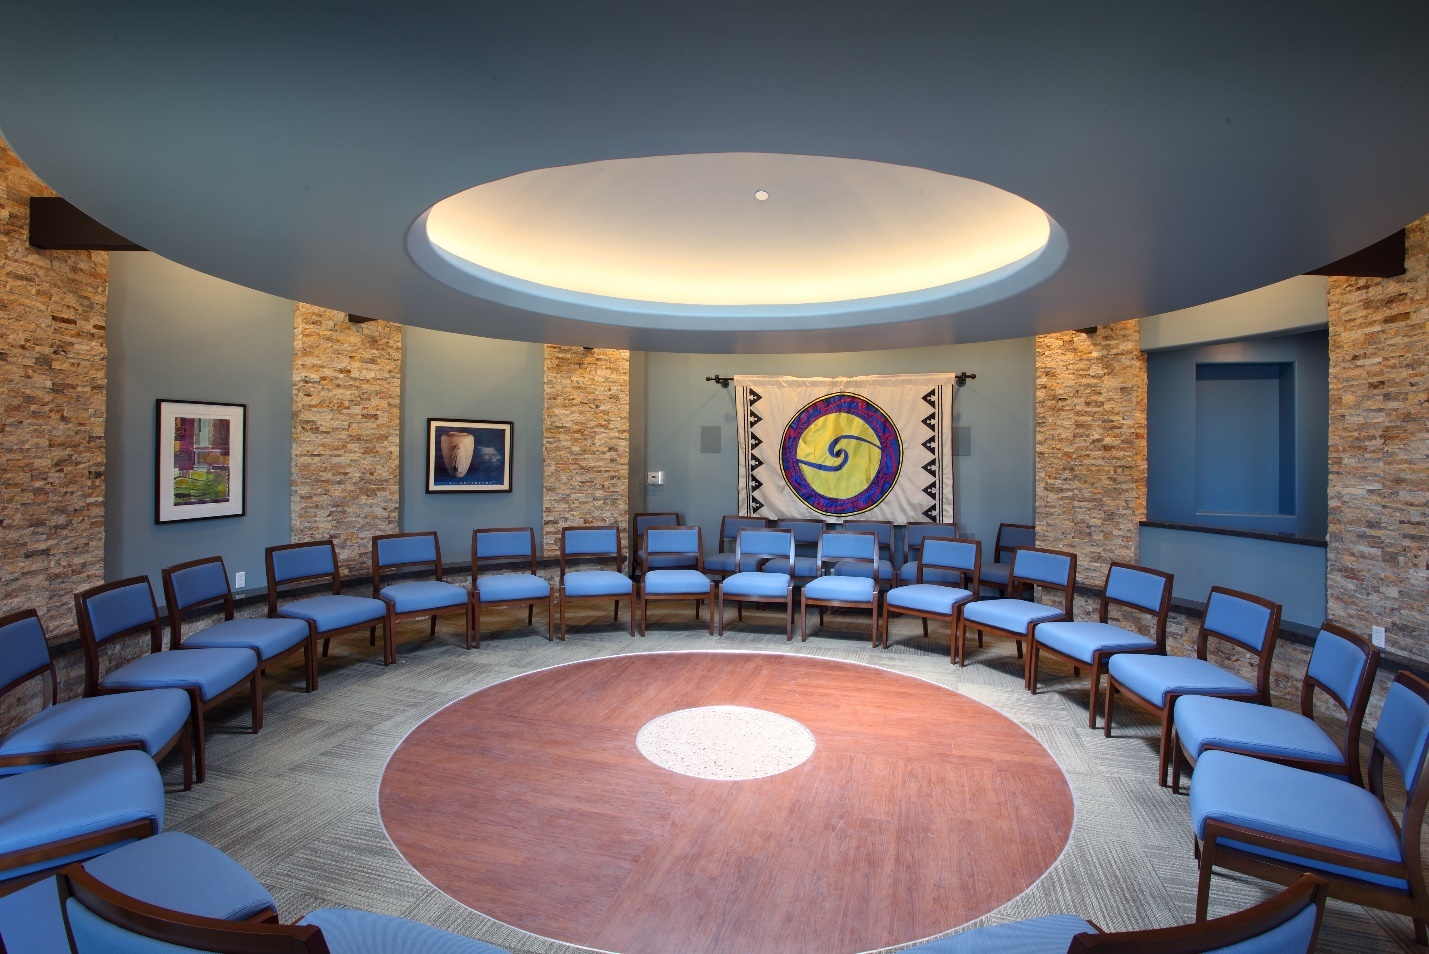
(845, 454)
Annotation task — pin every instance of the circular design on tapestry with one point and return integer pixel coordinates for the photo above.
(725, 743)
(841, 454)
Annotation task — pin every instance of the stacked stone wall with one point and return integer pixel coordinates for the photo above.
(585, 442)
(347, 399)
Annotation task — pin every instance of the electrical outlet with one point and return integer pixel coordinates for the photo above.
(1376, 636)
(239, 579)
(655, 478)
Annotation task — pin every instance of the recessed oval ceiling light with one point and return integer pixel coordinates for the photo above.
(655, 238)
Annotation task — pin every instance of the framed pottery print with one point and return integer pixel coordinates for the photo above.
(201, 462)
(468, 457)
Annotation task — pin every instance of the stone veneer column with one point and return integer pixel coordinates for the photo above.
(1091, 446)
(1377, 564)
(586, 442)
(52, 385)
(347, 401)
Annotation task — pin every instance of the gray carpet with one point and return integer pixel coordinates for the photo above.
(297, 805)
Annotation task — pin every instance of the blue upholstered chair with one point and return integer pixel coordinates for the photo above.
(152, 721)
(1342, 665)
(1017, 619)
(198, 585)
(662, 581)
(639, 524)
(508, 545)
(722, 563)
(1154, 683)
(76, 810)
(805, 567)
(102, 920)
(333, 614)
(1274, 822)
(883, 529)
(416, 599)
(209, 676)
(591, 543)
(752, 547)
(913, 537)
(1137, 589)
(854, 592)
(939, 601)
(171, 870)
(1288, 923)
(1011, 537)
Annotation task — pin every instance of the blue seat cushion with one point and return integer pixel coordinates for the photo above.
(360, 932)
(927, 598)
(1153, 677)
(424, 595)
(1292, 803)
(804, 567)
(214, 671)
(1251, 728)
(151, 717)
(178, 871)
(857, 568)
(597, 583)
(511, 586)
(998, 573)
(841, 589)
(1081, 640)
(908, 573)
(266, 637)
(336, 612)
(1011, 615)
(773, 585)
(671, 582)
(1046, 935)
(78, 798)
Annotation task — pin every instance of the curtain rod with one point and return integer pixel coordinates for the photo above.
(963, 377)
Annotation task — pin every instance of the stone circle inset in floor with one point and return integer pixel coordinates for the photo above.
(725, 743)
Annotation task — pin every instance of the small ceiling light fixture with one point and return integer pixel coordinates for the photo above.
(761, 195)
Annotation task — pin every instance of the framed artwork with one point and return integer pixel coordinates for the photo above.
(201, 450)
(468, 457)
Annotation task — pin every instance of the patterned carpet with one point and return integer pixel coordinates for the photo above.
(297, 805)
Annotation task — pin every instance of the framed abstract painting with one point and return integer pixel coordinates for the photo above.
(202, 460)
(468, 457)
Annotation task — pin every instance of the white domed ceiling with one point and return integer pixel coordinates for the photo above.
(934, 172)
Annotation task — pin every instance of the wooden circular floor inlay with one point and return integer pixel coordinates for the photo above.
(918, 810)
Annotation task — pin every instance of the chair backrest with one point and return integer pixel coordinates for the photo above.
(764, 543)
(1141, 589)
(1012, 537)
(601, 541)
(191, 585)
(914, 534)
(111, 611)
(299, 563)
(23, 653)
(859, 546)
(503, 545)
(392, 550)
(675, 541)
(641, 522)
(883, 529)
(1342, 665)
(806, 532)
(101, 919)
(1288, 923)
(1052, 569)
(1402, 738)
(950, 553)
(1244, 620)
(731, 525)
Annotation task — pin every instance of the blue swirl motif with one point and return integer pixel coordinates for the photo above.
(836, 451)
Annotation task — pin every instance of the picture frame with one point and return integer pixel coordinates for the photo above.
(468, 457)
(201, 460)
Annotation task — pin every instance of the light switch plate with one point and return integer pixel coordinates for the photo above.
(240, 579)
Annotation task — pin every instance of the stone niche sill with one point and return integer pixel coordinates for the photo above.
(1247, 534)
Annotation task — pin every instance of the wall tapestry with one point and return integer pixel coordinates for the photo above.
(466, 457)
(201, 458)
(831, 448)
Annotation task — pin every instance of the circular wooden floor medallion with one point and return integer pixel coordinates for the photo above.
(918, 809)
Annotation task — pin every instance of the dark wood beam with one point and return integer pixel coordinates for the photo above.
(56, 224)
(1383, 259)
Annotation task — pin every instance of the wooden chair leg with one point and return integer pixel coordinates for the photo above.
(952, 637)
(474, 627)
(632, 617)
(644, 615)
(615, 613)
(255, 700)
(432, 630)
(873, 624)
(327, 641)
(186, 753)
(789, 616)
(803, 619)
(1178, 759)
(550, 618)
(372, 636)
(200, 754)
(563, 619)
(530, 613)
(1093, 693)
(1163, 762)
(925, 627)
(1033, 655)
(1203, 881)
(1110, 701)
(720, 611)
(697, 614)
(310, 664)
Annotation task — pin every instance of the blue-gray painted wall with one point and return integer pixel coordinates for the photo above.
(175, 333)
